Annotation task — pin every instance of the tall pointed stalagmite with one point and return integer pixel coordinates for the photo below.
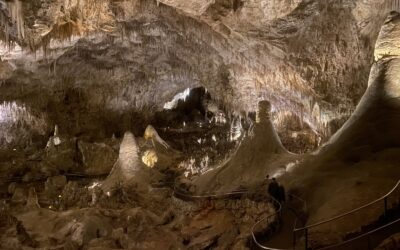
(260, 153)
(375, 123)
(361, 159)
(128, 167)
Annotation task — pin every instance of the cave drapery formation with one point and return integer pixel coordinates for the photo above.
(109, 106)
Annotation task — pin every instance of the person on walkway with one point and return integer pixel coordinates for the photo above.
(273, 189)
(281, 194)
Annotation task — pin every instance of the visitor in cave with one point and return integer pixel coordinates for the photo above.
(281, 194)
(273, 189)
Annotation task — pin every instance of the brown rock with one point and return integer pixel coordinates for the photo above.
(97, 158)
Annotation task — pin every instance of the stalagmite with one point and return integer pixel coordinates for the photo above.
(32, 200)
(151, 134)
(263, 112)
(125, 168)
(249, 161)
(375, 122)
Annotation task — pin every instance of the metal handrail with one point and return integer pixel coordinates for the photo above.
(361, 236)
(181, 193)
(301, 200)
(77, 174)
(383, 198)
(306, 228)
(305, 208)
(351, 211)
(277, 213)
(178, 191)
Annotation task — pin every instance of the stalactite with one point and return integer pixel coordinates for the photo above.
(16, 15)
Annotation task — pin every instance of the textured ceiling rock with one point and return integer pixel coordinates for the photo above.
(194, 7)
(264, 10)
(133, 56)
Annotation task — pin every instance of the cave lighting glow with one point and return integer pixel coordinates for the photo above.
(180, 96)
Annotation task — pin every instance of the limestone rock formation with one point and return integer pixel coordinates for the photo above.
(391, 243)
(19, 196)
(150, 158)
(151, 134)
(128, 170)
(32, 200)
(259, 154)
(388, 43)
(61, 157)
(375, 115)
(156, 152)
(97, 158)
(365, 148)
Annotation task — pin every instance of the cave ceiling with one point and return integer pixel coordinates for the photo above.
(308, 57)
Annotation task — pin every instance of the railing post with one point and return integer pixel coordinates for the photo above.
(385, 212)
(306, 238)
(369, 243)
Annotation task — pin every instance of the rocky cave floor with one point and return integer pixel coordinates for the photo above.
(51, 199)
(82, 218)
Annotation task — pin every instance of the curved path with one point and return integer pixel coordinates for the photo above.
(283, 239)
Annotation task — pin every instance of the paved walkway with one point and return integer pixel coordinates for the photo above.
(283, 239)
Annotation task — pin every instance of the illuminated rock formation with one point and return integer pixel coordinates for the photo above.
(374, 123)
(150, 158)
(363, 154)
(259, 154)
(128, 169)
(151, 134)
